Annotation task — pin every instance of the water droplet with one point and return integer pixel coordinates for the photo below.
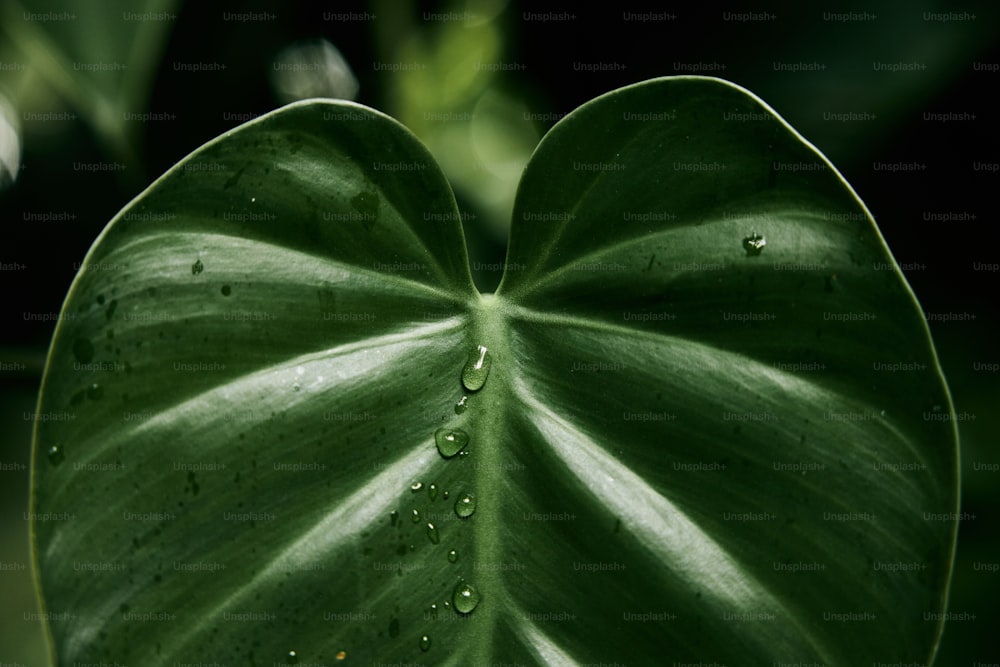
(450, 441)
(394, 627)
(197, 267)
(477, 368)
(452, 556)
(462, 405)
(56, 455)
(83, 350)
(253, 200)
(95, 392)
(425, 643)
(393, 518)
(415, 516)
(466, 505)
(465, 598)
(432, 534)
(293, 657)
(754, 244)
(432, 491)
(226, 290)
(445, 494)
(341, 655)
(416, 486)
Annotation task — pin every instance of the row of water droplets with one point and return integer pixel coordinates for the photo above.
(452, 442)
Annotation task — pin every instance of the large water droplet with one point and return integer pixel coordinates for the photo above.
(465, 598)
(197, 267)
(452, 556)
(432, 534)
(462, 405)
(450, 441)
(425, 643)
(754, 244)
(477, 369)
(56, 455)
(466, 505)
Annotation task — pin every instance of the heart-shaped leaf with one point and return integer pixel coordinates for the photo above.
(700, 420)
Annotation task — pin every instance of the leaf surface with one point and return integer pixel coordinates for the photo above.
(711, 425)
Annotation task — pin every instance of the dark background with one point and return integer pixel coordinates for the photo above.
(956, 70)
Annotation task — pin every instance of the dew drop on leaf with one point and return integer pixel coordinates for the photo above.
(393, 518)
(465, 598)
(197, 267)
(95, 392)
(452, 556)
(432, 534)
(754, 244)
(56, 455)
(415, 516)
(462, 405)
(432, 491)
(425, 643)
(466, 505)
(450, 441)
(293, 657)
(477, 369)
(416, 486)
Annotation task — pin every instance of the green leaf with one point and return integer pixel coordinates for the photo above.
(701, 419)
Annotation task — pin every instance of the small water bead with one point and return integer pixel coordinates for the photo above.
(465, 598)
(416, 486)
(754, 244)
(466, 505)
(56, 455)
(415, 516)
(450, 441)
(393, 518)
(445, 494)
(432, 534)
(425, 643)
(197, 267)
(477, 369)
(432, 491)
(293, 657)
(452, 556)
(462, 405)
